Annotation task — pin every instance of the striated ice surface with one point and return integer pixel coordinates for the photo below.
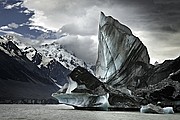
(83, 100)
(121, 55)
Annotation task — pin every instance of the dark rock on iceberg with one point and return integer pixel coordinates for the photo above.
(80, 76)
(162, 71)
(166, 92)
(163, 85)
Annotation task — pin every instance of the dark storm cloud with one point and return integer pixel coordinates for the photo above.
(161, 15)
(74, 29)
(164, 14)
(83, 47)
(170, 29)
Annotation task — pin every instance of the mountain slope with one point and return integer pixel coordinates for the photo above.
(48, 66)
(60, 54)
(50, 56)
(33, 73)
(19, 77)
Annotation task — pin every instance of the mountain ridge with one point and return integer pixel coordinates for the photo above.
(23, 65)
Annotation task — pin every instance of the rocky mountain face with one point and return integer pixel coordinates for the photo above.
(54, 50)
(124, 76)
(33, 73)
(48, 65)
(57, 62)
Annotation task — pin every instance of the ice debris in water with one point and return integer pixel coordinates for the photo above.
(150, 108)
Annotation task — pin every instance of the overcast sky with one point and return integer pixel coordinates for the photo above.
(155, 22)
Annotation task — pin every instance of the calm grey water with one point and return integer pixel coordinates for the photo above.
(62, 112)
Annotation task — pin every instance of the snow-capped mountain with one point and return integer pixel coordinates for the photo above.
(60, 54)
(31, 70)
(20, 78)
(49, 50)
(49, 56)
(53, 69)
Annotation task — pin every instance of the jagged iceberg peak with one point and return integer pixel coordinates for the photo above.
(108, 20)
(119, 53)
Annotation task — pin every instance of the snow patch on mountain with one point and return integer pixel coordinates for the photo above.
(45, 61)
(30, 52)
(4, 43)
(60, 54)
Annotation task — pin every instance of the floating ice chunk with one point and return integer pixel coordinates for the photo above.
(150, 108)
(168, 110)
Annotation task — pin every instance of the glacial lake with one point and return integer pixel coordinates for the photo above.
(63, 112)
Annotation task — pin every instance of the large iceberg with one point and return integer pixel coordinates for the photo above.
(124, 78)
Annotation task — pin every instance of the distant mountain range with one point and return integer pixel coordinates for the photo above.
(33, 64)
(33, 72)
